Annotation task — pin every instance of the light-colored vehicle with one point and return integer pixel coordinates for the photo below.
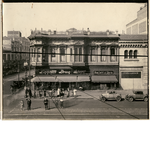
(137, 95)
(110, 95)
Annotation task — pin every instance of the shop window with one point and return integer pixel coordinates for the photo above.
(112, 54)
(103, 55)
(53, 55)
(126, 54)
(130, 54)
(135, 54)
(8, 57)
(4, 57)
(62, 54)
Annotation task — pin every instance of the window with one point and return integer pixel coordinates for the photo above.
(62, 54)
(53, 55)
(130, 54)
(71, 54)
(112, 54)
(8, 56)
(93, 54)
(76, 58)
(135, 54)
(4, 57)
(39, 55)
(103, 53)
(12, 56)
(80, 54)
(126, 54)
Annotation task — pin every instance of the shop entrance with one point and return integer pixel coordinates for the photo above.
(64, 85)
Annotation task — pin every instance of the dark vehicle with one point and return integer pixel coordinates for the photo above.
(137, 95)
(110, 95)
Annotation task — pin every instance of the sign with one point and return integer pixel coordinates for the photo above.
(64, 72)
(79, 71)
(130, 74)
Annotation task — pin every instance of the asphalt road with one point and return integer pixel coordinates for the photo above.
(79, 109)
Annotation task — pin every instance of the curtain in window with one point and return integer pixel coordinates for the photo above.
(112, 53)
(103, 52)
(62, 54)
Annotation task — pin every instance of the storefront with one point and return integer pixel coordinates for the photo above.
(104, 77)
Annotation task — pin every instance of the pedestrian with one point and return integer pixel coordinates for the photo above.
(40, 93)
(44, 92)
(61, 102)
(68, 92)
(58, 92)
(75, 92)
(22, 105)
(11, 88)
(30, 93)
(28, 103)
(46, 103)
(25, 89)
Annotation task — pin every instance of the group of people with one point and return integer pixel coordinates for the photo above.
(28, 92)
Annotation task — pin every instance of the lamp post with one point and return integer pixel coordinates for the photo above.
(25, 66)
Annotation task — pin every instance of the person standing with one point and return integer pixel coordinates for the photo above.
(30, 93)
(58, 92)
(61, 102)
(22, 105)
(46, 103)
(75, 92)
(28, 103)
(68, 92)
(11, 88)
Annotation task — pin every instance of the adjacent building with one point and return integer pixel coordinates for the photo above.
(15, 52)
(139, 25)
(133, 63)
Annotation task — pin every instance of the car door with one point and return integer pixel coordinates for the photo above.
(139, 95)
(111, 95)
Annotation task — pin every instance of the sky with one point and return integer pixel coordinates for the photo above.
(62, 16)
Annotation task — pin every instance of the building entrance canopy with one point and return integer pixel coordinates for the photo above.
(61, 78)
(104, 79)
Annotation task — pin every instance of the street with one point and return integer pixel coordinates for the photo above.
(80, 108)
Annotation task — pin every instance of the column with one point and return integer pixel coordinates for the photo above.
(116, 53)
(99, 52)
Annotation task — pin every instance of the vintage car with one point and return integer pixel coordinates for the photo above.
(110, 95)
(137, 95)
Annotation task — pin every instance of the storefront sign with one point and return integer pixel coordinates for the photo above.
(103, 72)
(64, 72)
(79, 71)
(131, 74)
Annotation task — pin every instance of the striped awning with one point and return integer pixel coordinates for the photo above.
(43, 79)
(104, 79)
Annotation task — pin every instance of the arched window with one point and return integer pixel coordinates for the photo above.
(126, 54)
(135, 54)
(130, 54)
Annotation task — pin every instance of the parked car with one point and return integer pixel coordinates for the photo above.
(110, 95)
(137, 95)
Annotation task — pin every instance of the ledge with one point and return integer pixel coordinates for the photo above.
(131, 59)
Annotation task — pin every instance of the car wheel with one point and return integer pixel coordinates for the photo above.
(118, 98)
(103, 99)
(145, 99)
(131, 99)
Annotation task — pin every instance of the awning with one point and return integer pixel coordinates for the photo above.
(104, 79)
(66, 79)
(43, 79)
(61, 68)
(83, 79)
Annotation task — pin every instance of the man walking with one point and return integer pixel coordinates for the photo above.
(46, 103)
(28, 103)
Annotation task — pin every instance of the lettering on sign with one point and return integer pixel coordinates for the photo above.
(131, 74)
(64, 72)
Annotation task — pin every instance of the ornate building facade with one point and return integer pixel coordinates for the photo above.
(75, 58)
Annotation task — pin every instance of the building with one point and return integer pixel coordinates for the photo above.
(15, 52)
(75, 58)
(133, 63)
(140, 24)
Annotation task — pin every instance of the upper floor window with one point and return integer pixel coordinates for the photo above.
(62, 54)
(53, 55)
(135, 54)
(130, 54)
(78, 54)
(103, 54)
(93, 54)
(39, 55)
(112, 54)
(71, 54)
(126, 54)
